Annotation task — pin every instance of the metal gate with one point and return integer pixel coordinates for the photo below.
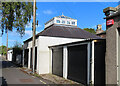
(57, 61)
(77, 63)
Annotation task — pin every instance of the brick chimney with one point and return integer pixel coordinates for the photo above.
(99, 29)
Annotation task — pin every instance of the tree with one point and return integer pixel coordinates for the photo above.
(17, 45)
(90, 30)
(0, 5)
(3, 50)
(16, 15)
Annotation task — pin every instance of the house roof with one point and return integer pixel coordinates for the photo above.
(66, 32)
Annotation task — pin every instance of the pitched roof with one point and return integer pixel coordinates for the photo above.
(66, 32)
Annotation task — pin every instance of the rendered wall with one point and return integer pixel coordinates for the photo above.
(111, 53)
(28, 45)
(43, 58)
(119, 56)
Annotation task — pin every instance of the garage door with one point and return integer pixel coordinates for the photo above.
(57, 61)
(26, 57)
(99, 68)
(77, 63)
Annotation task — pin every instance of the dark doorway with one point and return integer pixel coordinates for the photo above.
(99, 63)
(26, 53)
(77, 63)
(31, 59)
(35, 58)
(57, 61)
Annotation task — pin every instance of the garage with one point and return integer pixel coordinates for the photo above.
(77, 60)
(57, 62)
(83, 62)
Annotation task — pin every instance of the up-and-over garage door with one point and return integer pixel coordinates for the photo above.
(57, 61)
(77, 63)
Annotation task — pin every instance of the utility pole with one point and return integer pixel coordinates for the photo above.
(7, 46)
(34, 33)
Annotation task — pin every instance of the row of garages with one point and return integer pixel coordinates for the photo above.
(83, 62)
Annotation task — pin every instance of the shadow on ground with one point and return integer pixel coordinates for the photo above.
(8, 64)
(3, 82)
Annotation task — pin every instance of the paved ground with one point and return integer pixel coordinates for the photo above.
(13, 75)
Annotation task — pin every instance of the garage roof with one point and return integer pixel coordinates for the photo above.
(66, 32)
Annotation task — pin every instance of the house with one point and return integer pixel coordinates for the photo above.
(60, 30)
(112, 45)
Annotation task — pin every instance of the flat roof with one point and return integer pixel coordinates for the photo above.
(83, 41)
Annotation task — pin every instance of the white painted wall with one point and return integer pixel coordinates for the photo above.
(65, 62)
(62, 19)
(10, 55)
(53, 21)
(43, 65)
(50, 23)
(28, 45)
(43, 53)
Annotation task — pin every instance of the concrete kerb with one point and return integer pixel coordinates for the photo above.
(29, 72)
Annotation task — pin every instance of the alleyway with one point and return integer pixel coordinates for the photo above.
(13, 75)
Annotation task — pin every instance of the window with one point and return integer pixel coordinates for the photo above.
(73, 23)
(58, 21)
(68, 22)
(63, 22)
